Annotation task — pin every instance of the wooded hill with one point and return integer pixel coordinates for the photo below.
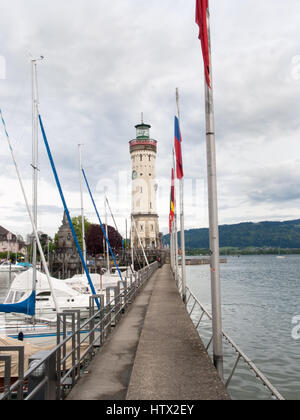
(264, 234)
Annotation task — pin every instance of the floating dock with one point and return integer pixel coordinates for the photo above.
(155, 353)
(200, 261)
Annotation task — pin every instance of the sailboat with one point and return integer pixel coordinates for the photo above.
(33, 290)
(8, 267)
(45, 309)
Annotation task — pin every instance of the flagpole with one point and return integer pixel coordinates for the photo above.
(172, 247)
(213, 220)
(175, 225)
(181, 192)
(106, 232)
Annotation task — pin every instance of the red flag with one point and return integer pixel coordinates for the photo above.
(201, 20)
(172, 204)
(178, 140)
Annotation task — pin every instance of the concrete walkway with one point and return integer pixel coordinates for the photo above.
(109, 373)
(154, 354)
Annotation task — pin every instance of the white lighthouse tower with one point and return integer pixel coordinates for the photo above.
(145, 228)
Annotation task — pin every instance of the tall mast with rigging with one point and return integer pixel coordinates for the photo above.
(35, 162)
(82, 208)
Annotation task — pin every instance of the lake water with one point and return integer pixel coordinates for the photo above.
(260, 297)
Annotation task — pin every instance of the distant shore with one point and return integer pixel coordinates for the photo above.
(233, 251)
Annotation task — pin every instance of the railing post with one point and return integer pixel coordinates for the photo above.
(92, 321)
(6, 358)
(125, 293)
(120, 300)
(58, 358)
(102, 324)
(92, 326)
(51, 374)
(116, 298)
(75, 337)
(20, 350)
(108, 309)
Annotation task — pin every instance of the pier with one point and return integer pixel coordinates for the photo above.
(155, 353)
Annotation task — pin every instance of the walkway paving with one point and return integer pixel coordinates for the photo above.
(109, 373)
(154, 354)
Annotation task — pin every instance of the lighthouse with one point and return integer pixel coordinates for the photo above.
(145, 227)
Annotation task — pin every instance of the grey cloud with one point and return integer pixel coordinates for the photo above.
(112, 60)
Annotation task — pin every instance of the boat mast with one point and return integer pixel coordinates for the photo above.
(35, 162)
(82, 208)
(30, 216)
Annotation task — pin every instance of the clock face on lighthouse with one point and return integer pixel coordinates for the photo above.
(134, 175)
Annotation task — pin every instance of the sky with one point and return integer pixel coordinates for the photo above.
(106, 62)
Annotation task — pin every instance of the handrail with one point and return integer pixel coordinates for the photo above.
(96, 329)
(240, 354)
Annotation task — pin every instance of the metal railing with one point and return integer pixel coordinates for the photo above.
(193, 305)
(52, 374)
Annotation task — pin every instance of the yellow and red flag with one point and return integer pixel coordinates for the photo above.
(172, 204)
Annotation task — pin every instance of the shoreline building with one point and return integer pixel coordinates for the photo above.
(144, 217)
(11, 243)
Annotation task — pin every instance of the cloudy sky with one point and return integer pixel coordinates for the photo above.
(106, 62)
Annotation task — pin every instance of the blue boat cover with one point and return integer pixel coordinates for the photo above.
(26, 307)
(24, 264)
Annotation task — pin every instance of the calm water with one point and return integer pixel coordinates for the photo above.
(260, 296)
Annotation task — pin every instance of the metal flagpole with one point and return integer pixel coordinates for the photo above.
(172, 248)
(175, 226)
(213, 221)
(181, 191)
(82, 209)
(106, 232)
(131, 247)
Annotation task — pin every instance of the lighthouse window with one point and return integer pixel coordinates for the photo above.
(142, 228)
(141, 158)
(149, 158)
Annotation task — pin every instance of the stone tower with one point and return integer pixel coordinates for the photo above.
(143, 151)
(65, 238)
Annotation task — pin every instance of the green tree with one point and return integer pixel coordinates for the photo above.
(78, 228)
